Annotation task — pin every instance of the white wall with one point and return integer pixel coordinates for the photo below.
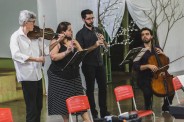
(9, 14)
(57, 11)
(174, 47)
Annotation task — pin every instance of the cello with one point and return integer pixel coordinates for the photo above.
(161, 83)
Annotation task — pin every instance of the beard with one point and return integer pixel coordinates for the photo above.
(89, 24)
(146, 41)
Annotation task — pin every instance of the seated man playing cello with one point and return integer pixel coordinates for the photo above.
(146, 72)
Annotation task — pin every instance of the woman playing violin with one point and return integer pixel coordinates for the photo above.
(66, 83)
(145, 70)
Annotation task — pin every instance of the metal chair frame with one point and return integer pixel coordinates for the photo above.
(177, 86)
(125, 92)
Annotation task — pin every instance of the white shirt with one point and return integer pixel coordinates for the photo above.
(21, 49)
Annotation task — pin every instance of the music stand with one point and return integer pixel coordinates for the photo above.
(131, 55)
(76, 59)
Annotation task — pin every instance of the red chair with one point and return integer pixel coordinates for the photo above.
(5, 115)
(76, 104)
(174, 108)
(177, 86)
(125, 92)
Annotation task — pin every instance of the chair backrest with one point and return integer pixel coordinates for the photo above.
(177, 86)
(77, 103)
(176, 83)
(5, 115)
(123, 92)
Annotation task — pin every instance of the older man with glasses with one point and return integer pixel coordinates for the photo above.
(28, 59)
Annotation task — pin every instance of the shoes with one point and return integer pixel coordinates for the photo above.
(95, 116)
(165, 108)
(148, 107)
(105, 114)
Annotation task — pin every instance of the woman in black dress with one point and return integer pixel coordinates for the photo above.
(66, 83)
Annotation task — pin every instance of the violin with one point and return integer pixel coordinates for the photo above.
(38, 32)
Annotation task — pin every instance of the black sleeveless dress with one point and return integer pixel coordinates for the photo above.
(62, 84)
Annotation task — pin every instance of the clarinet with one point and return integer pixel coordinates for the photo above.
(103, 46)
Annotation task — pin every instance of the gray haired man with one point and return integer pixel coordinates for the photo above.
(26, 54)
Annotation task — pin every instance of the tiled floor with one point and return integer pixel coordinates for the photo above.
(18, 107)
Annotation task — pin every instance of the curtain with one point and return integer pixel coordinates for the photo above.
(69, 10)
(136, 12)
(111, 15)
(174, 46)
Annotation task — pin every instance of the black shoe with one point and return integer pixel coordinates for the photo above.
(95, 116)
(165, 108)
(147, 107)
(105, 114)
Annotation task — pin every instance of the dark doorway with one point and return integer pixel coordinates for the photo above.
(117, 50)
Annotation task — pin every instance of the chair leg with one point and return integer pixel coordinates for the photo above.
(119, 107)
(154, 117)
(70, 117)
(76, 117)
(177, 97)
(90, 115)
(173, 118)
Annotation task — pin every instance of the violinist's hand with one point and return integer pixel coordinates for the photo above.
(40, 59)
(61, 37)
(153, 68)
(159, 51)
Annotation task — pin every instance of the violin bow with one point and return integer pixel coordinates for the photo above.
(170, 63)
(43, 36)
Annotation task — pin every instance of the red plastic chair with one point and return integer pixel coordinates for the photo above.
(125, 92)
(5, 115)
(177, 86)
(76, 104)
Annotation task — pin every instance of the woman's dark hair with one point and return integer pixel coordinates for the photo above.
(84, 12)
(63, 26)
(145, 28)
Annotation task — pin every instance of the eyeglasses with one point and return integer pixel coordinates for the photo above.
(31, 21)
(91, 18)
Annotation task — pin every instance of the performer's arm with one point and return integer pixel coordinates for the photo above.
(79, 38)
(96, 45)
(99, 42)
(36, 59)
(77, 45)
(17, 55)
(58, 40)
(54, 53)
(140, 67)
